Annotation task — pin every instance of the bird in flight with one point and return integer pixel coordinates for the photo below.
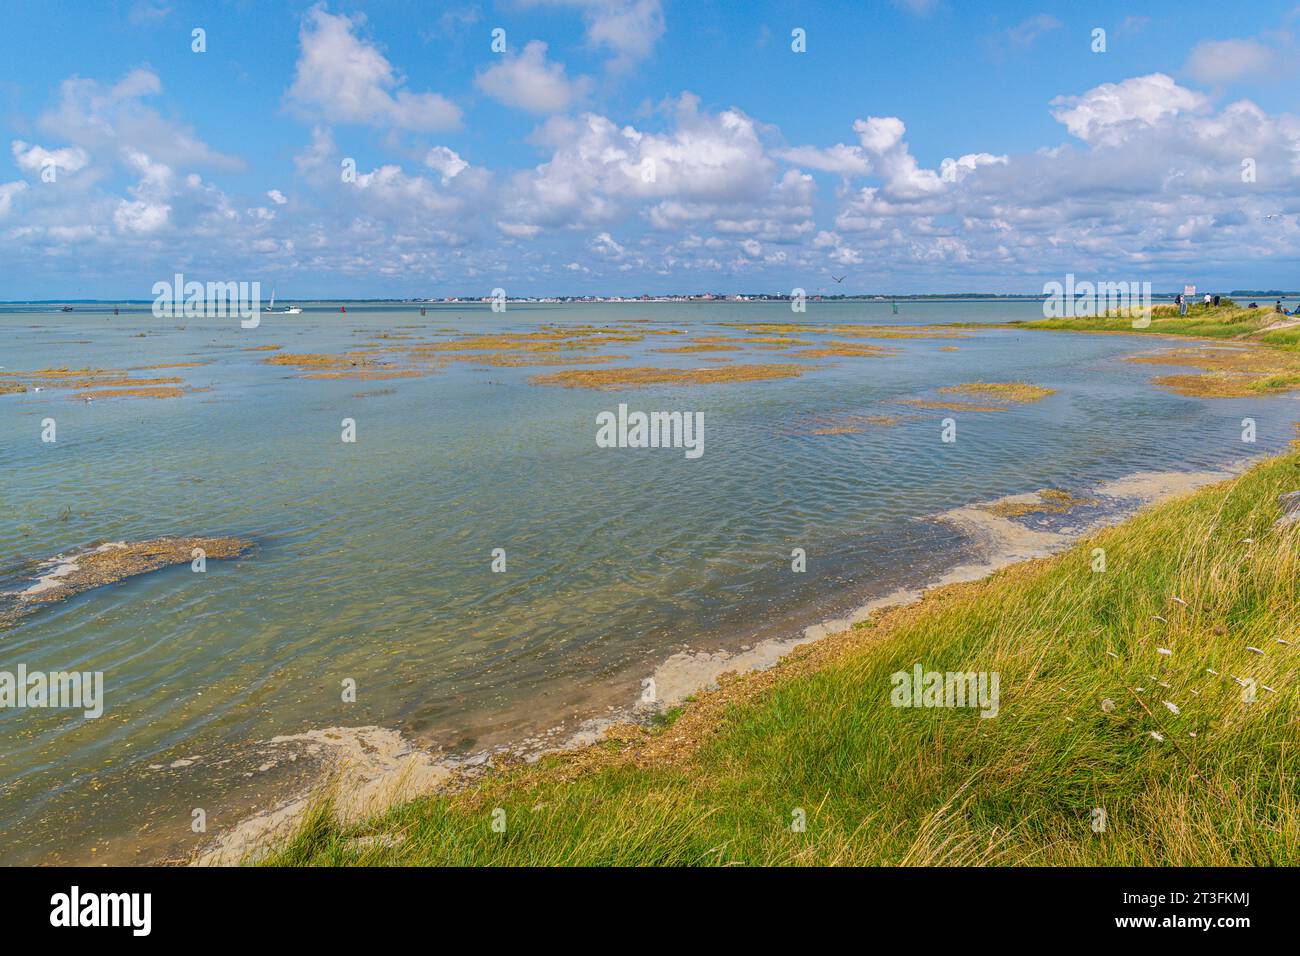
(838, 278)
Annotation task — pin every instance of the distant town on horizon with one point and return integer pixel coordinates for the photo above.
(693, 297)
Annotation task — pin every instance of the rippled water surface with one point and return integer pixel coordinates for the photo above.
(373, 560)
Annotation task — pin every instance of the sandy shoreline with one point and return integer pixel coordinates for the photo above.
(374, 768)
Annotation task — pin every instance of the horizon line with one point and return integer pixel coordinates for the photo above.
(654, 297)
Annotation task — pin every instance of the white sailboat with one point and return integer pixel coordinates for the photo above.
(291, 310)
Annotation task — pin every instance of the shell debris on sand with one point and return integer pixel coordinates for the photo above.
(1154, 485)
(371, 768)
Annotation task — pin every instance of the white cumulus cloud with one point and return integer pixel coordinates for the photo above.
(33, 159)
(629, 29)
(445, 162)
(841, 159)
(1218, 62)
(1113, 111)
(7, 193)
(531, 82)
(344, 78)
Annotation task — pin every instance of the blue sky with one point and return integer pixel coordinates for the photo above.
(633, 146)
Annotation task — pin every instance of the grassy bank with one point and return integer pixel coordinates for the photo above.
(1226, 321)
(1261, 360)
(1211, 780)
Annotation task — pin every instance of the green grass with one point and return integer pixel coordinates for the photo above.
(721, 782)
(1226, 321)
(1276, 384)
(1282, 338)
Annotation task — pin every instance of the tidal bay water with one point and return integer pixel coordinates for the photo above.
(372, 560)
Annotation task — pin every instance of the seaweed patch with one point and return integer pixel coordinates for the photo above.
(65, 575)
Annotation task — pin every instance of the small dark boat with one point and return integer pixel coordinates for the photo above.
(67, 308)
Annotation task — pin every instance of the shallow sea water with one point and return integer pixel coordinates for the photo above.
(372, 560)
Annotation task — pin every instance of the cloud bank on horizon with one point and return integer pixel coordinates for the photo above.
(629, 146)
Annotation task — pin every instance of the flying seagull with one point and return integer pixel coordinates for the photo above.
(838, 278)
